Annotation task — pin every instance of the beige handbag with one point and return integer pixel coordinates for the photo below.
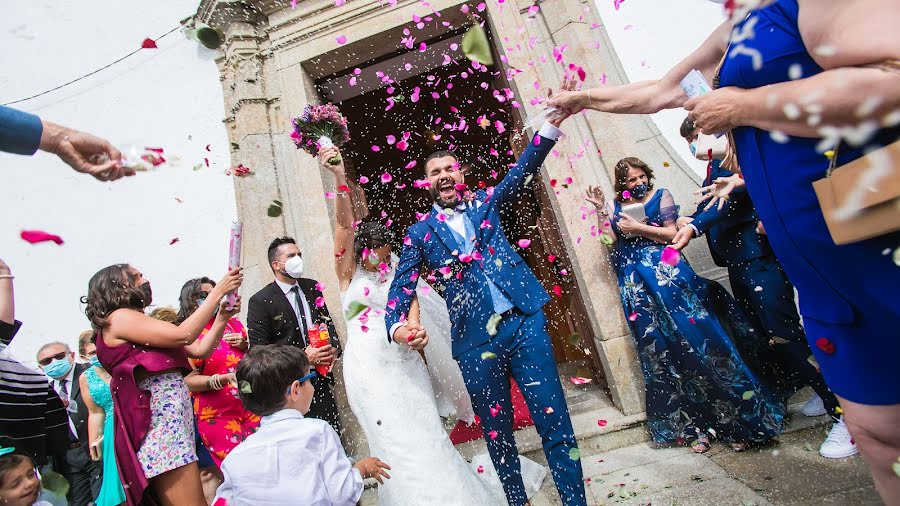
(705, 143)
(861, 199)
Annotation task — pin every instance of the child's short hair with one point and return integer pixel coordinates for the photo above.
(11, 460)
(265, 374)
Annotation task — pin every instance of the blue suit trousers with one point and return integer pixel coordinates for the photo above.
(522, 348)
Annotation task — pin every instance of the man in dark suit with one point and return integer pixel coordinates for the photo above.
(58, 362)
(761, 287)
(285, 311)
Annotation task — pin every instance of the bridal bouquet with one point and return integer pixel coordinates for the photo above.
(320, 126)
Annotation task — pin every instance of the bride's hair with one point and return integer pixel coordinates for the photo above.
(370, 235)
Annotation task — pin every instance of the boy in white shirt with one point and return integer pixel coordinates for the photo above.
(291, 459)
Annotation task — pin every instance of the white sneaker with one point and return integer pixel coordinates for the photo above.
(839, 444)
(814, 406)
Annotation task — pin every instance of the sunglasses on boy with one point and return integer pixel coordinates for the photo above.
(306, 378)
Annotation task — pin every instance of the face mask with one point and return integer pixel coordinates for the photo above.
(58, 368)
(694, 148)
(294, 267)
(95, 361)
(639, 191)
(146, 296)
(200, 302)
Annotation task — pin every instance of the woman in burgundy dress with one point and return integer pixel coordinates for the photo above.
(147, 360)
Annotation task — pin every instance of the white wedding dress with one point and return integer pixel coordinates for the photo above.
(394, 397)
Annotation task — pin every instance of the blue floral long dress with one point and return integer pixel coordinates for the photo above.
(685, 327)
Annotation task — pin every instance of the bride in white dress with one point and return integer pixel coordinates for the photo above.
(397, 399)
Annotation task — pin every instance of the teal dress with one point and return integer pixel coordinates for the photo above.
(111, 491)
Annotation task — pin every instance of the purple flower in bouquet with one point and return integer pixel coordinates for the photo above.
(320, 126)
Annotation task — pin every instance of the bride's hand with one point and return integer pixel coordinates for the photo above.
(326, 154)
(411, 335)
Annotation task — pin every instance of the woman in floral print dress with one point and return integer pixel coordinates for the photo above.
(686, 327)
(221, 418)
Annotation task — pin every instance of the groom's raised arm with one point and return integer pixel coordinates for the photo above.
(528, 165)
(403, 288)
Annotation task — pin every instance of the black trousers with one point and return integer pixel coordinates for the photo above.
(83, 475)
(323, 406)
(764, 292)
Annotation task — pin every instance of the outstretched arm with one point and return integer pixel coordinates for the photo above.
(344, 261)
(647, 97)
(529, 164)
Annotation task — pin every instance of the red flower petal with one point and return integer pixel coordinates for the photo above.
(36, 236)
(825, 345)
(557, 291)
(173, 241)
(148, 44)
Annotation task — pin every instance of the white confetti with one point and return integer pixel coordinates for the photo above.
(791, 111)
(779, 137)
(795, 72)
(825, 50)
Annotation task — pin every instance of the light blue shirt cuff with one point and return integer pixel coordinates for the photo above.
(549, 131)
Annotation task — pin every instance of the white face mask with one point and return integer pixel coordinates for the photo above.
(294, 267)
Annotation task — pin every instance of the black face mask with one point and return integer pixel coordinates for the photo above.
(146, 296)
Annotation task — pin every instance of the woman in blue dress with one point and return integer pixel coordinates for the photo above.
(685, 327)
(800, 74)
(101, 424)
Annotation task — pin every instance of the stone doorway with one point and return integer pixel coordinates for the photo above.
(420, 105)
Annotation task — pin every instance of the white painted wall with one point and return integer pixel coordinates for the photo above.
(168, 97)
(651, 36)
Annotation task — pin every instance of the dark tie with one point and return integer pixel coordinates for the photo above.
(64, 387)
(301, 315)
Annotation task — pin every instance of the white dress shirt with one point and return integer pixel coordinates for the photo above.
(73, 406)
(307, 314)
(290, 460)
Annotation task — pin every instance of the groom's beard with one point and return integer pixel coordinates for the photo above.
(435, 191)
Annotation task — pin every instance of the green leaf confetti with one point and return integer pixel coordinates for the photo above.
(354, 309)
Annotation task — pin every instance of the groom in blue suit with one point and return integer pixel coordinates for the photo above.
(495, 301)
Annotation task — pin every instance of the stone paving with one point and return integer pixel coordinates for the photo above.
(788, 472)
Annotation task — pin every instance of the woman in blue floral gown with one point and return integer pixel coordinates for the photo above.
(685, 327)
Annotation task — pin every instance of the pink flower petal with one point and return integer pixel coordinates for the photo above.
(148, 43)
(670, 256)
(375, 148)
(577, 380)
(342, 39)
(320, 301)
(386, 178)
(363, 180)
(411, 164)
(36, 236)
(524, 243)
